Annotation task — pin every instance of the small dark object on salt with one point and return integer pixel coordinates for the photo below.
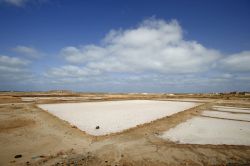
(97, 127)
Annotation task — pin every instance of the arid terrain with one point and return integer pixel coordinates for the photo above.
(32, 136)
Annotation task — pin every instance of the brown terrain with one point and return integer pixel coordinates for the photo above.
(31, 136)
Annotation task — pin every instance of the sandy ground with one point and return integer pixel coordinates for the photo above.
(43, 139)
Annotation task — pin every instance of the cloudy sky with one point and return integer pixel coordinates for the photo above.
(125, 46)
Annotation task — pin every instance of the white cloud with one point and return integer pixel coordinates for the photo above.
(12, 61)
(28, 51)
(70, 71)
(238, 62)
(154, 56)
(155, 46)
(13, 68)
(17, 3)
(83, 54)
(21, 3)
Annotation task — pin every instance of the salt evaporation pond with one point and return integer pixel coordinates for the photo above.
(114, 116)
(227, 115)
(204, 130)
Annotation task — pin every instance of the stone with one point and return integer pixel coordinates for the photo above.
(18, 156)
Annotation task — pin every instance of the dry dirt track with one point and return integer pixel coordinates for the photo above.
(43, 139)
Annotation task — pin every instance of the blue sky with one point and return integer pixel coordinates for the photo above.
(125, 46)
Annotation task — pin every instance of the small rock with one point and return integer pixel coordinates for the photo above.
(42, 156)
(97, 127)
(18, 156)
(156, 133)
(73, 126)
(61, 152)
